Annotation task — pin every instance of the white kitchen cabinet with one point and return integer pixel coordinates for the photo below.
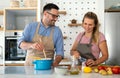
(17, 18)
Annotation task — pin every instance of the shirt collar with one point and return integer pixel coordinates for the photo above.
(41, 24)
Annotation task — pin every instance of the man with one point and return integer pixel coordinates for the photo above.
(43, 36)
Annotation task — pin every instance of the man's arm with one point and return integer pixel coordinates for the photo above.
(57, 60)
(59, 46)
(25, 45)
(30, 45)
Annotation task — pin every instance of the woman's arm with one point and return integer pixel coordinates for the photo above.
(74, 50)
(104, 51)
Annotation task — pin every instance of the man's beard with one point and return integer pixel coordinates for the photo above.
(52, 23)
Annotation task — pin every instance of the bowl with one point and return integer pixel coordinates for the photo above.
(43, 64)
(61, 70)
(73, 21)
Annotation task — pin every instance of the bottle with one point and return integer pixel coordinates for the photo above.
(74, 68)
(83, 60)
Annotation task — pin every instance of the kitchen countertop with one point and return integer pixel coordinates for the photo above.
(29, 72)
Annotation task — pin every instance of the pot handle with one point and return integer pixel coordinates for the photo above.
(34, 62)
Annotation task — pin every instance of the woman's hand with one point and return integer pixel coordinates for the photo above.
(90, 62)
(76, 54)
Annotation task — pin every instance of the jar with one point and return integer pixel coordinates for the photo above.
(30, 3)
(14, 3)
(73, 21)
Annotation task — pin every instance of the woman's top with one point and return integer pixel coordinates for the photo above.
(95, 47)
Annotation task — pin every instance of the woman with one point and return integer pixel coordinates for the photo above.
(90, 43)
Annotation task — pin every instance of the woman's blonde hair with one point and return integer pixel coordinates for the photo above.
(95, 34)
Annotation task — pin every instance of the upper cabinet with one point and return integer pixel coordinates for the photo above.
(15, 19)
(112, 5)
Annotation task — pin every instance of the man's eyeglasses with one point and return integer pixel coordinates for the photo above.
(53, 15)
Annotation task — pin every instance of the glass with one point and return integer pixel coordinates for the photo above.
(74, 70)
(53, 15)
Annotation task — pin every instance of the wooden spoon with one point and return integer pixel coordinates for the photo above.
(43, 49)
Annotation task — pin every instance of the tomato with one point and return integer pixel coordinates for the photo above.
(116, 70)
(101, 67)
(119, 70)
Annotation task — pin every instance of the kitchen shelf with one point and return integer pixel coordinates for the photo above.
(112, 10)
(14, 64)
(22, 8)
(1, 12)
(17, 18)
(1, 28)
(13, 30)
(1, 64)
(62, 12)
(77, 24)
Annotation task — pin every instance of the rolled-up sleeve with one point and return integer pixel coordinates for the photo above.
(27, 34)
(58, 41)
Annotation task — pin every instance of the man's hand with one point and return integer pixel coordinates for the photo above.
(58, 58)
(37, 46)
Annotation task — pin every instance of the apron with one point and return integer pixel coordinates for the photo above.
(48, 45)
(85, 50)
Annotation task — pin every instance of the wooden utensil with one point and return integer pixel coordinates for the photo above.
(43, 49)
(44, 53)
(36, 58)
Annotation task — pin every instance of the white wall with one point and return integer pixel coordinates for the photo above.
(75, 9)
(3, 4)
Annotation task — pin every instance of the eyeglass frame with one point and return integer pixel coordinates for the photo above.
(53, 15)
